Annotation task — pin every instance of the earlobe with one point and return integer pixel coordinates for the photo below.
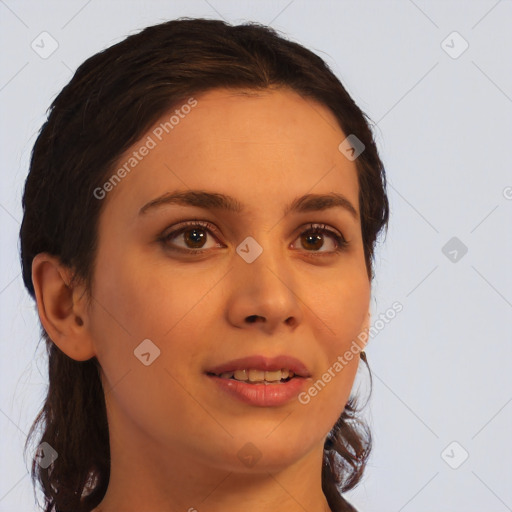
(62, 316)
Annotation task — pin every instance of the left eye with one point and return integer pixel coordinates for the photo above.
(315, 235)
(195, 237)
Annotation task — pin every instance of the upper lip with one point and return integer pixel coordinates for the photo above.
(259, 362)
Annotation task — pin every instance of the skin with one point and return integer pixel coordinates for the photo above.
(174, 436)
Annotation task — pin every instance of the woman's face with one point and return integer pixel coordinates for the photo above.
(256, 282)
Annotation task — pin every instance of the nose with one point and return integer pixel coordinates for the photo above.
(264, 294)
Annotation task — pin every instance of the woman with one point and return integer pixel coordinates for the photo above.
(200, 218)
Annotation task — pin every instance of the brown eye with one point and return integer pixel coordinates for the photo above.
(313, 239)
(193, 237)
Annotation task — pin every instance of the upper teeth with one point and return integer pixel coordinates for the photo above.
(258, 375)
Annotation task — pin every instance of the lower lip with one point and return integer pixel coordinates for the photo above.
(262, 395)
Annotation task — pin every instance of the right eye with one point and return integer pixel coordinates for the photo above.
(194, 234)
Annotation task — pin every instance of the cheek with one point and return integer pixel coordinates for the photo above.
(341, 315)
(148, 300)
(138, 301)
(341, 307)
(133, 303)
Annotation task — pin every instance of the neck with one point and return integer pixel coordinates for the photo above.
(147, 479)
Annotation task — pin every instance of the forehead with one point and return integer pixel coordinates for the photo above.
(252, 145)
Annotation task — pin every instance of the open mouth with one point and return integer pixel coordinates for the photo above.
(262, 387)
(257, 376)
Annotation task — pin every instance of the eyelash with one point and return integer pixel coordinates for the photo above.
(313, 228)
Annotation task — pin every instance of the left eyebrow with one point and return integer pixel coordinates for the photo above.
(217, 201)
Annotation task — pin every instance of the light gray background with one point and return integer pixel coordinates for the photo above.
(442, 367)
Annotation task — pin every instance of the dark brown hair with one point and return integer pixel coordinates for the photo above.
(112, 100)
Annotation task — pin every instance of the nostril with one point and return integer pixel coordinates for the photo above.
(251, 319)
